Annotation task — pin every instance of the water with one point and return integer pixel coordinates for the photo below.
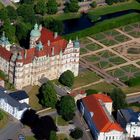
(73, 25)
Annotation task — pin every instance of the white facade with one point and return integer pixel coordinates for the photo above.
(130, 121)
(12, 110)
(112, 135)
(133, 129)
(96, 109)
(23, 70)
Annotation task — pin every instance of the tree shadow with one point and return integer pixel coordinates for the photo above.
(40, 126)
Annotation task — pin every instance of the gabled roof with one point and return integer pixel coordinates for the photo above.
(5, 54)
(57, 44)
(130, 116)
(11, 101)
(103, 97)
(19, 95)
(101, 119)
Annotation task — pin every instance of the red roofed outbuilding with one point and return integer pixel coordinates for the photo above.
(96, 109)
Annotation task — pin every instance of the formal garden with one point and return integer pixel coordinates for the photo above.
(132, 29)
(111, 37)
(104, 59)
(125, 73)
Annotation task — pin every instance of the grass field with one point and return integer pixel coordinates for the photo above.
(62, 136)
(101, 87)
(85, 78)
(30, 138)
(60, 121)
(93, 47)
(115, 8)
(83, 51)
(34, 101)
(4, 121)
(65, 16)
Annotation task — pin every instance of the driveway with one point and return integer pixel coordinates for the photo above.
(12, 129)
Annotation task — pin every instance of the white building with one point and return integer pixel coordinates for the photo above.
(12, 106)
(20, 96)
(96, 109)
(130, 121)
(49, 56)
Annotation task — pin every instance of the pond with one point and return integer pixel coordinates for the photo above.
(73, 25)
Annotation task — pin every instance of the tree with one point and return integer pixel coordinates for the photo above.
(76, 133)
(67, 107)
(67, 78)
(1, 115)
(53, 136)
(118, 98)
(9, 30)
(40, 7)
(72, 6)
(52, 7)
(3, 14)
(54, 25)
(12, 13)
(27, 12)
(22, 30)
(91, 91)
(93, 4)
(48, 97)
(109, 2)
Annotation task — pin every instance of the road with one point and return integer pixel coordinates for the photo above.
(79, 121)
(12, 129)
(133, 98)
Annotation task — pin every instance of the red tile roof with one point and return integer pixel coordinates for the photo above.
(103, 97)
(75, 93)
(100, 118)
(57, 44)
(5, 54)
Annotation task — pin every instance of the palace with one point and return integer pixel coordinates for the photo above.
(48, 56)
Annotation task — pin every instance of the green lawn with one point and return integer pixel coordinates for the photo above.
(4, 121)
(101, 87)
(93, 47)
(60, 121)
(65, 16)
(83, 51)
(115, 8)
(61, 136)
(30, 138)
(34, 101)
(85, 78)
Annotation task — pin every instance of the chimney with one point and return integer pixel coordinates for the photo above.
(49, 42)
(55, 35)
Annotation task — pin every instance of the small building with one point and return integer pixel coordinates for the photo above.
(20, 96)
(2, 82)
(12, 106)
(96, 109)
(77, 95)
(130, 121)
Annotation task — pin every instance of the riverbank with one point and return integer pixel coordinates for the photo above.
(105, 25)
(108, 9)
(64, 16)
